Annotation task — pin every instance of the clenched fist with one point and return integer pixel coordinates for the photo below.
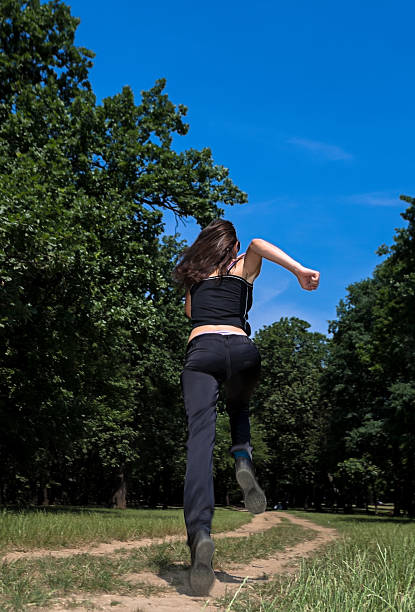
(308, 279)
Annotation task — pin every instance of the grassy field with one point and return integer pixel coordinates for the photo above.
(371, 568)
(38, 582)
(57, 527)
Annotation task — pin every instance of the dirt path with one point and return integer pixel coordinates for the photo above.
(179, 595)
(259, 523)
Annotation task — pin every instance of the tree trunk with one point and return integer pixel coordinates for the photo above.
(45, 498)
(119, 497)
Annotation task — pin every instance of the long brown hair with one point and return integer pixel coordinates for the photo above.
(211, 250)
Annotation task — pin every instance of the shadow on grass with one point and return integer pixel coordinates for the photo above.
(91, 509)
(177, 576)
(60, 510)
(371, 518)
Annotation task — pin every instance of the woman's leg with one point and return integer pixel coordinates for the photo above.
(200, 393)
(245, 371)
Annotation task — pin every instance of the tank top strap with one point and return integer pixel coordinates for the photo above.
(235, 261)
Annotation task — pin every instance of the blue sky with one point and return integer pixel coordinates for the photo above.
(310, 106)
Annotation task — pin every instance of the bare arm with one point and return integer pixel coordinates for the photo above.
(188, 305)
(308, 278)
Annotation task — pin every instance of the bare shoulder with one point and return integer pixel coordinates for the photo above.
(249, 265)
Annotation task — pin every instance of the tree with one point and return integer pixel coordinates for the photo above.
(88, 310)
(287, 403)
(359, 482)
(370, 378)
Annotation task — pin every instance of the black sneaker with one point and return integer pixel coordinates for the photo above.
(202, 576)
(254, 496)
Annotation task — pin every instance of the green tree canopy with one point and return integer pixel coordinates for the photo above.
(287, 403)
(92, 327)
(370, 378)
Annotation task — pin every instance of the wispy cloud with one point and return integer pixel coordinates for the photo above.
(265, 294)
(375, 198)
(321, 149)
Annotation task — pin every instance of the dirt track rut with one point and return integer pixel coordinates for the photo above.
(178, 594)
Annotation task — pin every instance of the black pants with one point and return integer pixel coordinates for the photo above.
(212, 359)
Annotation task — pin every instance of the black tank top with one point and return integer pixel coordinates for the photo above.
(222, 300)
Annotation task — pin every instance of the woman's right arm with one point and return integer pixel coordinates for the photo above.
(308, 278)
(188, 305)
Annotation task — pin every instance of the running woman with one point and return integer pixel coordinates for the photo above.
(219, 286)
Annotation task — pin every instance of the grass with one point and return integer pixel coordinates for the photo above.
(161, 557)
(260, 545)
(37, 582)
(25, 584)
(57, 527)
(370, 568)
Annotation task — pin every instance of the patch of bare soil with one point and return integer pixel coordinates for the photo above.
(178, 594)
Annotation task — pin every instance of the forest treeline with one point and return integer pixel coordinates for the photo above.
(92, 327)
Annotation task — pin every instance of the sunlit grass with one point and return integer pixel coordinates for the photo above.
(370, 568)
(38, 582)
(70, 527)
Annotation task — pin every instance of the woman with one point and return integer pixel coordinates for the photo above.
(219, 288)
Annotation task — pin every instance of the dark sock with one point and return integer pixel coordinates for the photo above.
(241, 453)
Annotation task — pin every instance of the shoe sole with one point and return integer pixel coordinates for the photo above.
(202, 576)
(254, 496)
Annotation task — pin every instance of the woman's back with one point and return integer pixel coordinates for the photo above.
(222, 300)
